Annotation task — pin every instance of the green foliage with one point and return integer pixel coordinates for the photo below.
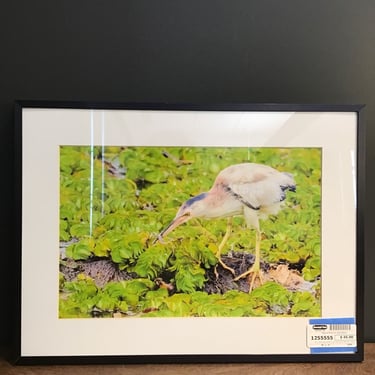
(138, 297)
(304, 304)
(78, 298)
(82, 298)
(81, 250)
(112, 206)
(151, 262)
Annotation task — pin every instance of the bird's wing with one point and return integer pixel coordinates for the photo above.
(257, 185)
(234, 191)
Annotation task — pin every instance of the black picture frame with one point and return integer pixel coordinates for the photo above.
(40, 123)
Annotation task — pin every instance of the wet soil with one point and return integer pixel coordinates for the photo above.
(219, 279)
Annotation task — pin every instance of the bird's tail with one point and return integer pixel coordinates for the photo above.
(290, 185)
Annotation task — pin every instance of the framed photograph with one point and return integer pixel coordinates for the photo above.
(189, 233)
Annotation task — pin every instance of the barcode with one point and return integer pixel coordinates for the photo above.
(340, 327)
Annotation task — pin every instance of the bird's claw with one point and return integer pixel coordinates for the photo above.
(231, 270)
(160, 239)
(254, 275)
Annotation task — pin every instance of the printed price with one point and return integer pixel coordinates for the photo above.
(331, 333)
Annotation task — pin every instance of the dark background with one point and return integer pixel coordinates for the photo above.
(191, 52)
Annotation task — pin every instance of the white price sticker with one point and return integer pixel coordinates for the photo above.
(330, 335)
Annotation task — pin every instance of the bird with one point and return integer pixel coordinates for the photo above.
(252, 190)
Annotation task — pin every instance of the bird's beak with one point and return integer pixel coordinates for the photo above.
(172, 225)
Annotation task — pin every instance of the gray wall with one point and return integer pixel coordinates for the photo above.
(185, 51)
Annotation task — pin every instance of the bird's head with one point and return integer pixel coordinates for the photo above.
(193, 207)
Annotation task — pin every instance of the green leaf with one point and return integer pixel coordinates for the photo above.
(129, 291)
(152, 261)
(155, 298)
(81, 250)
(79, 230)
(179, 304)
(106, 302)
(272, 294)
(189, 279)
(304, 304)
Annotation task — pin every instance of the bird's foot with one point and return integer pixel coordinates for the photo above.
(255, 273)
(225, 267)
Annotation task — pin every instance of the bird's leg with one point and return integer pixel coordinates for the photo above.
(221, 246)
(254, 270)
